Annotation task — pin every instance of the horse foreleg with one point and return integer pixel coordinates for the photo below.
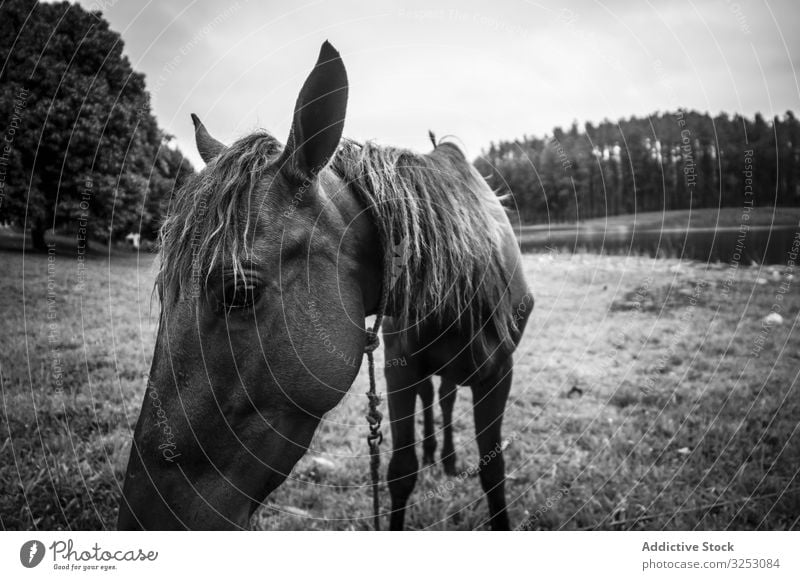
(447, 400)
(489, 404)
(425, 390)
(403, 466)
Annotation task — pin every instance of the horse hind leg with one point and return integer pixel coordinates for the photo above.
(447, 400)
(425, 391)
(489, 397)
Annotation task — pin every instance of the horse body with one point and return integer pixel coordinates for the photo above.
(447, 348)
(270, 252)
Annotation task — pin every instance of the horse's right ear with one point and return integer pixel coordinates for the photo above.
(318, 116)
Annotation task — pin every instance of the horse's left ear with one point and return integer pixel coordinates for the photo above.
(207, 146)
(318, 116)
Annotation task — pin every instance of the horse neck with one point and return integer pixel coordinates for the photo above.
(361, 236)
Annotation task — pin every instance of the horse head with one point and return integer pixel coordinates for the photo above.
(268, 267)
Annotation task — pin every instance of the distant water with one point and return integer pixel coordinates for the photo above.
(759, 244)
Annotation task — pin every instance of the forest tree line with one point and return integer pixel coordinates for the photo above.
(666, 161)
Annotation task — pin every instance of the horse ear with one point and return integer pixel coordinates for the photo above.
(207, 146)
(318, 116)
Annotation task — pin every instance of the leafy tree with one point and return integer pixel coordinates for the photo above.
(87, 153)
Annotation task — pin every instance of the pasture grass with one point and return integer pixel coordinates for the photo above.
(647, 395)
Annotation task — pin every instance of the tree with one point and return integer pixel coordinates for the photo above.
(87, 150)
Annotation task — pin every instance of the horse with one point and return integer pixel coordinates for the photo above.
(273, 249)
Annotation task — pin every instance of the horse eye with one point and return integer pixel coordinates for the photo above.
(241, 295)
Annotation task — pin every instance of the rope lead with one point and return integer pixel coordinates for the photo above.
(374, 415)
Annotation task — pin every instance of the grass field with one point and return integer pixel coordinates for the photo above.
(648, 394)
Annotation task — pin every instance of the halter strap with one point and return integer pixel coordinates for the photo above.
(374, 415)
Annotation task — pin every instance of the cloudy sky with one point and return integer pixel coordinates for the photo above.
(477, 70)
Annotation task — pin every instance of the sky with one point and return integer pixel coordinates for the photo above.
(478, 71)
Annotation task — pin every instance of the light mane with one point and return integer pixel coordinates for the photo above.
(211, 218)
(440, 225)
(437, 218)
